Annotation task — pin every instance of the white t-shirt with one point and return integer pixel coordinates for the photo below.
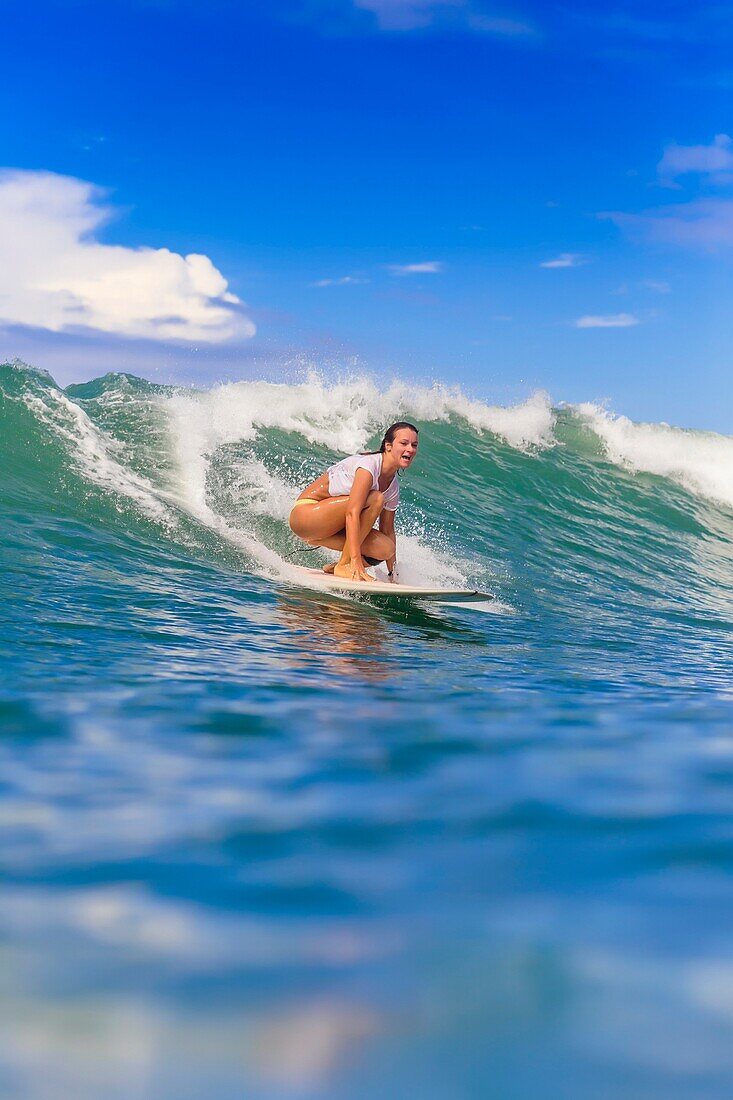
(341, 478)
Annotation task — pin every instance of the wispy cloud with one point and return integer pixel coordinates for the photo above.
(54, 275)
(508, 28)
(566, 259)
(345, 280)
(613, 320)
(680, 160)
(659, 286)
(704, 221)
(625, 24)
(406, 15)
(410, 15)
(705, 224)
(427, 267)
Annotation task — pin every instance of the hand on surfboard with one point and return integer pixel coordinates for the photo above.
(353, 572)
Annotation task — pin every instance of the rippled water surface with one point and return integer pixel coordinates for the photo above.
(256, 842)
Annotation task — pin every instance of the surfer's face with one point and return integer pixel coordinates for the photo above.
(404, 447)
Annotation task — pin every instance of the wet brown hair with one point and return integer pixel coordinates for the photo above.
(390, 434)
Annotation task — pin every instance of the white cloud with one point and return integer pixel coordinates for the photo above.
(343, 281)
(54, 275)
(613, 320)
(408, 15)
(566, 259)
(703, 223)
(680, 160)
(428, 267)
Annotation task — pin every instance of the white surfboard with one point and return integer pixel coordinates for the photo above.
(386, 590)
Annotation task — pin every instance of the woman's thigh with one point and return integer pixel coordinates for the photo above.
(319, 521)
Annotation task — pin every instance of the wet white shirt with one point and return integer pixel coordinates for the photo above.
(341, 478)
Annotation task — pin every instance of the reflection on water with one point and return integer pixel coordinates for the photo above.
(345, 637)
(340, 636)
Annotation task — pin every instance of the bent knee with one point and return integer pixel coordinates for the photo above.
(296, 525)
(375, 499)
(387, 549)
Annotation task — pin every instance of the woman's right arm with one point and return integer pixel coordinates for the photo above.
(356, 504)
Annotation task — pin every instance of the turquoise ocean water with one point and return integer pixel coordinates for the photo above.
(256, 842)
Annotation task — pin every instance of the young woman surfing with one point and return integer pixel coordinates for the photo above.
(339, 509)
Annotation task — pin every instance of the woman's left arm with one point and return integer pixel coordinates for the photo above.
(386, 526)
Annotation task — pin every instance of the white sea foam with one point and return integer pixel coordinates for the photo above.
(529, 424)
(95, 453)
(266, 493)
(345, 415)
(700, 461)
(198, 427)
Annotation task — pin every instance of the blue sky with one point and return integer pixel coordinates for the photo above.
(511, 196)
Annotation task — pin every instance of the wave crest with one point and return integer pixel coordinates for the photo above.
(702, 462)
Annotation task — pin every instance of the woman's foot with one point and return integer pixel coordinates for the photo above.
(329, 568)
